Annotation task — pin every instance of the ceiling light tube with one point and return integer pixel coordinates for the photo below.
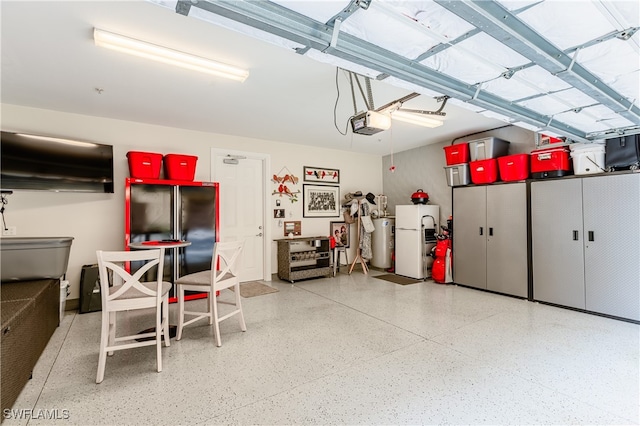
(168, 56)
(419, 119)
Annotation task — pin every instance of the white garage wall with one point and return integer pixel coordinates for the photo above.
(96, 221)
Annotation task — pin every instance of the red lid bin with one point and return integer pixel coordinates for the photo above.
(144, 165)
(180, 166)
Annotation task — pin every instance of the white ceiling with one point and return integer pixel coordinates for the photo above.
(560, 67)
(49, 61)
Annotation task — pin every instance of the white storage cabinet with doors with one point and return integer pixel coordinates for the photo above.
(586, 243)
(490, 238)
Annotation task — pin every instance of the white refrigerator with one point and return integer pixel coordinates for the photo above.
(411, 222)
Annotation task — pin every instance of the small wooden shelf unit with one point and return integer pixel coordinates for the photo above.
(303, 257)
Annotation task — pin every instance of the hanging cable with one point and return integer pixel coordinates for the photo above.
(392, 168)
(335, 107)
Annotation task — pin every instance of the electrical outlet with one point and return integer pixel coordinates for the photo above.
(10, 230)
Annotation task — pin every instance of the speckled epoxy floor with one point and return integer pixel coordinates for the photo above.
(352, 350)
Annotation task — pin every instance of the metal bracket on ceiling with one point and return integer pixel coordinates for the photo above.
(572, 63)
(478, 90)
(363, 4)
(621, 131)
(353, 6)
(627, 34)
(184, 6)
(439, 111)
(334, 35)
(508, 74)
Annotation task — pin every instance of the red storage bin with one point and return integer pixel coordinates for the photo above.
(550, 162)
(484, 171)
(513, 167)
(457, 154)
(180, 166)
(144, 165)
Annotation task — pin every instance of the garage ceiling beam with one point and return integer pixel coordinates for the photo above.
(498, 22)
(288, 24)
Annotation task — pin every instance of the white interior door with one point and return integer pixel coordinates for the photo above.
(242, 208)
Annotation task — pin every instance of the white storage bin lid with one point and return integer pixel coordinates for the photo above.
(595, 147)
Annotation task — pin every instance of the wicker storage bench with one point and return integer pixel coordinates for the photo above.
(30, 315)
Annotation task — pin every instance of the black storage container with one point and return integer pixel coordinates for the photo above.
(623, 153)
(90, 297)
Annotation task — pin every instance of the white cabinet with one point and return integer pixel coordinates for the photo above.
(586, 243)
(490, 240)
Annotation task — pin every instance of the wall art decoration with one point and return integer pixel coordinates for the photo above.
(340, 233)
(321, 201)
(286, 184)
(318, 174)
(293, 227)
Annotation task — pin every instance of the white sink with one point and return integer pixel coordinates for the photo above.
(32, 258)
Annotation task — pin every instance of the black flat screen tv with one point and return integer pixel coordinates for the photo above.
(54, 164)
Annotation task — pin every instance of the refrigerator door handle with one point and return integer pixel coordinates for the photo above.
(491, 232)
(481, 230)
(575, 235)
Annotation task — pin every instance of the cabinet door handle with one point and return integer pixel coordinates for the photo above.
(591, 236)
(491, 232)
(481, 230)
(575, 235)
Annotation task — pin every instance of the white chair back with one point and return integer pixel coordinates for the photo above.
(226, 263)
(124, 286)
(224, 274)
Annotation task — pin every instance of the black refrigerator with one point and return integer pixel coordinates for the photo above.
(174, 210)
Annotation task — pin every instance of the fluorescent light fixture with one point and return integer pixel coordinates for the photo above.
(59, 140)
(419, 119)
(168, 56)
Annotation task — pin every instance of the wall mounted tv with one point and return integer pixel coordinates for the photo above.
(54, 164)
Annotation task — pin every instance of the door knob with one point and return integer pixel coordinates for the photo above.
(259, 235)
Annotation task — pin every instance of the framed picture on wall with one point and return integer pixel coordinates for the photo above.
(319, 174)
(340, 232)
(293, 227)
(321, 201)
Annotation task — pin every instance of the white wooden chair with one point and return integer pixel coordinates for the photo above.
(122, 291)
(225, 268)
